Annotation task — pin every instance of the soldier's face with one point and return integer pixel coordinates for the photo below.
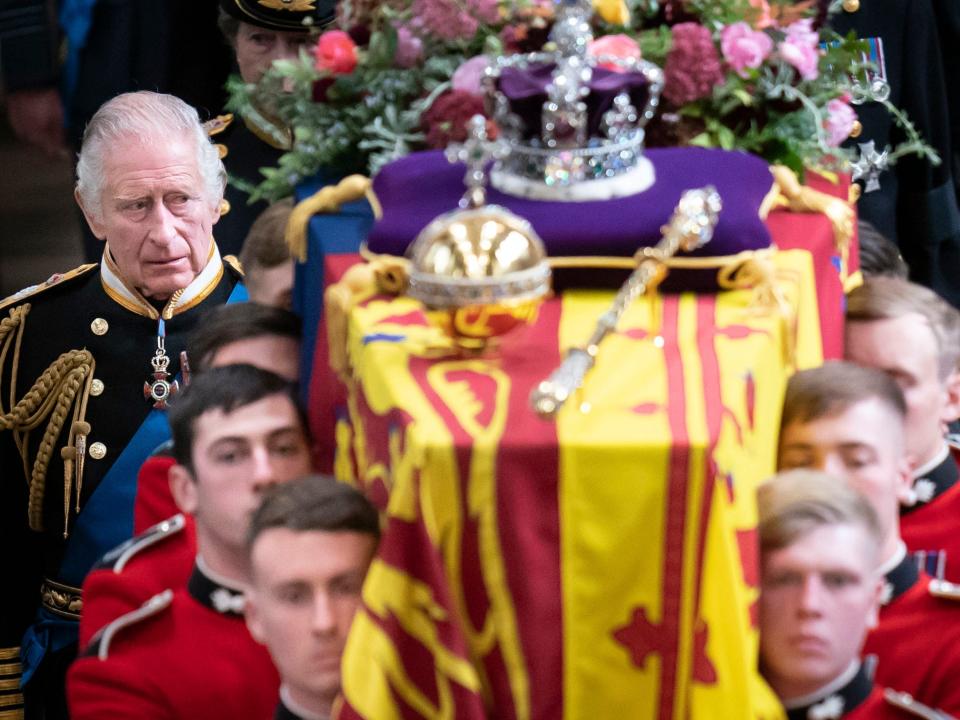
(906, 349)
(305, 590)
(258, 47)
(156, 215)
(275, 353)
(818, 598)
(236, 457)
(863, 445)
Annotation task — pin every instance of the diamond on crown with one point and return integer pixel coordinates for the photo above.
(568, 119)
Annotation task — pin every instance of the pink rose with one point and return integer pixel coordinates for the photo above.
(744, 47)
(336, 53)
(409, 48)
(619, 46)
(762, 17)
(468, 76)
(839, 122)
(801, 48)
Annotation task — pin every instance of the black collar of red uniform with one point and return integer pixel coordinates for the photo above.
(215, 595)
(834, 704)
(933, 483)
(903, 577)
(284, 713)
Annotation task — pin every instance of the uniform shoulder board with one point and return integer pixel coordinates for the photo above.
(904, 701)
(944, 589)
(100, 645)
(52, 281)
(118, 558)
(234, 263)
(215, 126)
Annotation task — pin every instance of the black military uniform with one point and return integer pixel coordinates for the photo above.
(250, 143)
(245, 146)
(75, 352)
(916, 203)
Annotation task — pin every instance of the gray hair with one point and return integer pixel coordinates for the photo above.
(148, 117)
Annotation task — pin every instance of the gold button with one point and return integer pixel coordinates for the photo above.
(96, 387)
(851, 6)
(99, 326)
(98, 451)
(856, 129)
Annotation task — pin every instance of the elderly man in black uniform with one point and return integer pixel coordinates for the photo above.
(88, 361)
(260, 33)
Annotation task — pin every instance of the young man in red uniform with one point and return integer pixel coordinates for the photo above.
(186, 652)
(913, 335)
(848, 421)
(817, 604)
(310, 544)
(161, 556)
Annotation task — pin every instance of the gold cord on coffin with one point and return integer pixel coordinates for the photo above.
(327, 199)
(62, 387)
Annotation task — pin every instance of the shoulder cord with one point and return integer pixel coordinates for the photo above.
(50, 398)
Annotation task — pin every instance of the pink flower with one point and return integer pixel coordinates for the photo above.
(468, 76)
(409, 48)
(693, 66)
(801, 48)
(619, 46)
(839, 122)
(762, 18)
(336, 53)
(744, 47)
(455, 19)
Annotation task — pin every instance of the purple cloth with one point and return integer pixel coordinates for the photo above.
(527, 91)
(416, 189)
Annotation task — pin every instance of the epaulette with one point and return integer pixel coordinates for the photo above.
(118, 558)
(944, 589)
(904, 701)
(100, 644)
(233, 262)
(215, 126)
(52, 281)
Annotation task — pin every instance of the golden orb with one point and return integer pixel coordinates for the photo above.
(480, 272)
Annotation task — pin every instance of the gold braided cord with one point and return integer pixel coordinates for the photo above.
(50, 399)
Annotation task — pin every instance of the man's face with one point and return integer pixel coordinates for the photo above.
(906, 349)
(863, 445)
(155, 214)
(271, 286)
(305, 591)
(258, 47)
(816, 605)
(236, 457)
(275, 353)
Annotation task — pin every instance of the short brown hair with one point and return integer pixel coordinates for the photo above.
(265, 245)
(834, 387)
(794, 503)
(888, 298)
(314, 503)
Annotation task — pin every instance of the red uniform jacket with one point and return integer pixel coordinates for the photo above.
(132, 573)
(917, 642)
(154, 502)
(933, 524)
(184, 654)
(859, 699)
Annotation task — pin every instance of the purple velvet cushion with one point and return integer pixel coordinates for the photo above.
(416, 189)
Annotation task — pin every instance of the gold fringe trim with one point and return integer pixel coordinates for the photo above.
(326, 200)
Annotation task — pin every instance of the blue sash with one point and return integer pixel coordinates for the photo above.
(105, 522)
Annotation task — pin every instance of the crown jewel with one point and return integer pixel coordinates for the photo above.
(573, 124)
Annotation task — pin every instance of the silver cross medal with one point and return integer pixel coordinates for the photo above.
(160, 389)
(869, 166)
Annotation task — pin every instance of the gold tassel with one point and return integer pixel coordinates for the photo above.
(326, 200)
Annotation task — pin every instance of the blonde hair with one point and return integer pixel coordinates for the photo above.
(889, 298)
(794, 503)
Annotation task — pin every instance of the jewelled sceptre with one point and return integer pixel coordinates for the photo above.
(690, 227)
